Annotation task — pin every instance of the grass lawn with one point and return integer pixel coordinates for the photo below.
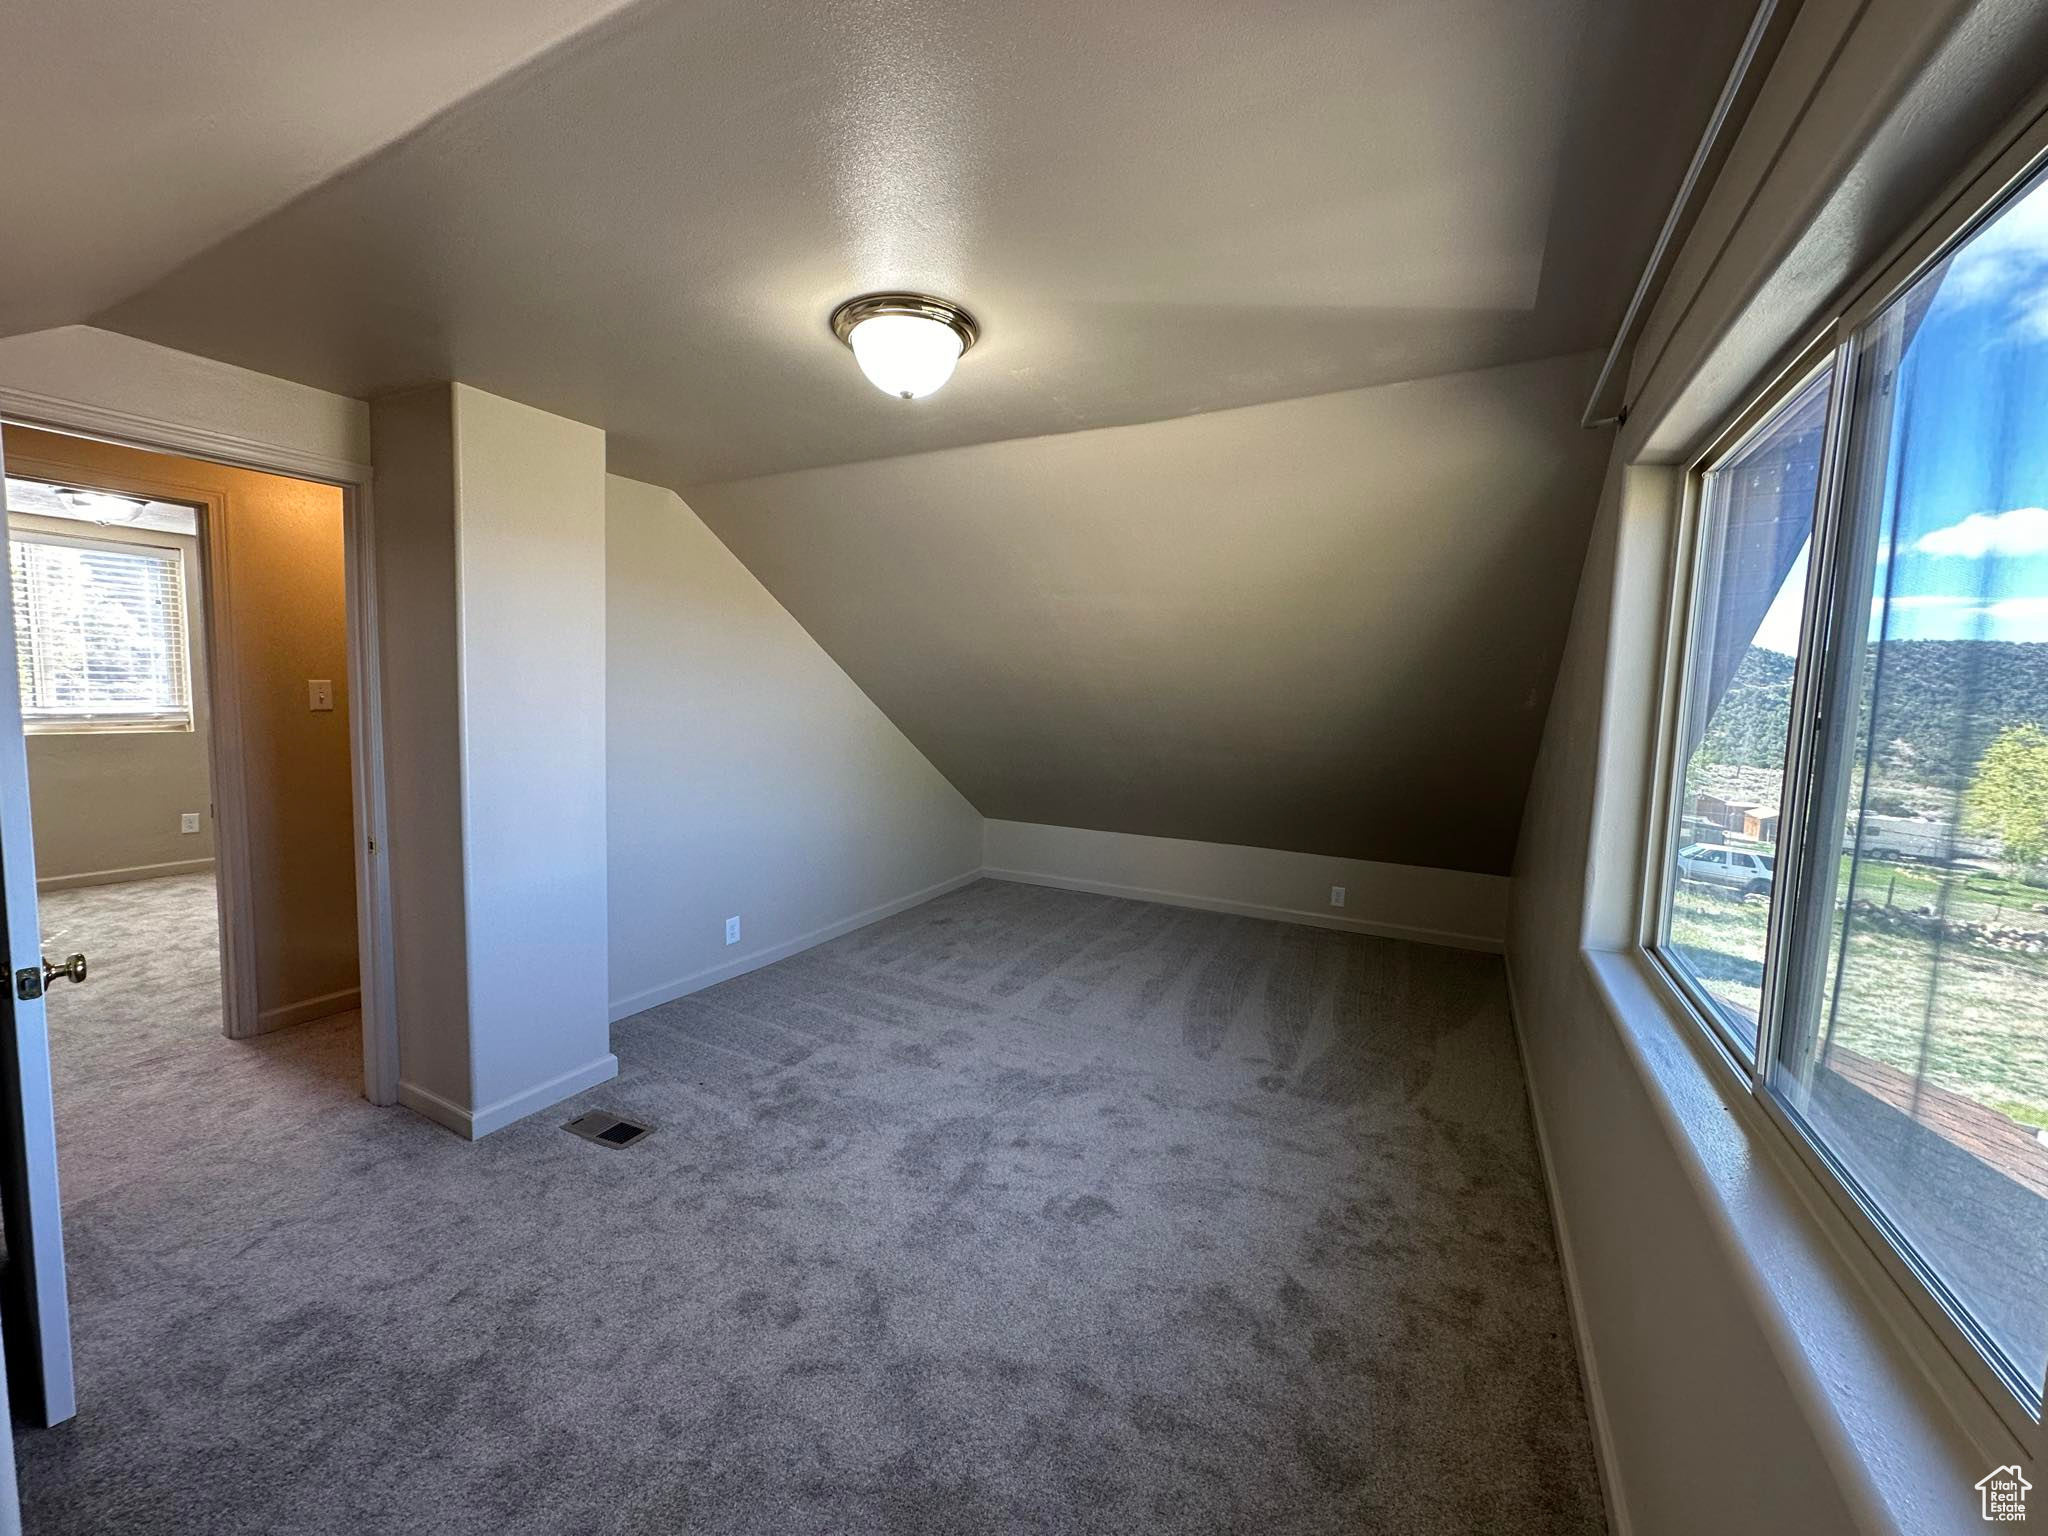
(1970, 1018)
(1978, 897)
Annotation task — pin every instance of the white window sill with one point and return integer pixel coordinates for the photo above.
(1904, 1429)
(107, 727)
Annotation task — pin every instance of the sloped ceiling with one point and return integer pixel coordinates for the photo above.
(134, 133)
(1327, 625)
(1176, 552)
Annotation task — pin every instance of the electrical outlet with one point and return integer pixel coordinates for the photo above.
(319, 693)
(189, 822)
(732, 930)
(1336, 895)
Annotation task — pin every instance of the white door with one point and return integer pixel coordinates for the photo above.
(35, 1314)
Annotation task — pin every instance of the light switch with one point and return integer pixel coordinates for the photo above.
(319, 693)
(188, 821)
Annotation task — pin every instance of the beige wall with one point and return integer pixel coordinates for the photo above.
(491, 565)
(746, 773)
(79, 373)
(1396, 901)
(1750, 1367)
(287, 622)
(530, 514)
(414, 443)
(107, 803)
(1661, 1298)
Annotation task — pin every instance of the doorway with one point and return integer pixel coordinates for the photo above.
(182, 636)
(189, 636)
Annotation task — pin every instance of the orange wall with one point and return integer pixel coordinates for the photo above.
(285, 600)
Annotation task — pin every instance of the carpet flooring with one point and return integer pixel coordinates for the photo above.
(1025, 1210)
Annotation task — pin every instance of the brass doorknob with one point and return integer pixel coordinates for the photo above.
(73, 967)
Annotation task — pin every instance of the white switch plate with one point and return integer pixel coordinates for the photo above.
(189, 822)
(1336, 895)
(319, 693)
(732, 930)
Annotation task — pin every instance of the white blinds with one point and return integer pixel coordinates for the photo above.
(100, 632)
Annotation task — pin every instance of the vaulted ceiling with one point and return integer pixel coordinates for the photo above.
(1156, 210)
(137, 134)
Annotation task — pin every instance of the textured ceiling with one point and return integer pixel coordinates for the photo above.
(1173, 553)
(134, 133)
(1155, 209)
(1328, 625)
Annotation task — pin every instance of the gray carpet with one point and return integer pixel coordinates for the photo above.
(1022, 1211)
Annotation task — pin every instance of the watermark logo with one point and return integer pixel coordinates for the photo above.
(2004, 1490)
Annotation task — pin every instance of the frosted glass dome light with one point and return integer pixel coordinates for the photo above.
(906, 343)
(905, 355)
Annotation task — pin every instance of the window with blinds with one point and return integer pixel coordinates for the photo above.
(99, 633)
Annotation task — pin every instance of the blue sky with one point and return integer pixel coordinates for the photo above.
(1969, 472)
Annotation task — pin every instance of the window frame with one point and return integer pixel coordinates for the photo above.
(1683, 612)
(156, 722)
(1975, 199)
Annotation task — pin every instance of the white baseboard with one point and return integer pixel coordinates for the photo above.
(473, 1124)
(1458, 909)
(518, 1106)
(1383, 930)
(753, 960)
(306, 1010)
(123, 876)
(441, 1111)
(1604, 1457)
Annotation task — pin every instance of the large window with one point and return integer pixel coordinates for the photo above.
(99, 633)
(1854, 878)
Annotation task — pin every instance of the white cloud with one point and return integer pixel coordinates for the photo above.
(2004, 610)
(1940, 616)
(2021, 532)
(2007, 255)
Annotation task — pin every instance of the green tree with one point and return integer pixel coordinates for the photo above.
(2009, 797)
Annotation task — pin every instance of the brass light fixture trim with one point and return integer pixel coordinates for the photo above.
(923, 305)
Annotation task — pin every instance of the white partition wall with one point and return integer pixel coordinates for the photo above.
(491, 524)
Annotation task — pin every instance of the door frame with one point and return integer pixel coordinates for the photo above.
(375, 976)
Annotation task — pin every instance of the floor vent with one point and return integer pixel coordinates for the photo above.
(601, 1125)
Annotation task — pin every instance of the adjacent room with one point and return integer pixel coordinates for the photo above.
(786, 769)
(144, 584)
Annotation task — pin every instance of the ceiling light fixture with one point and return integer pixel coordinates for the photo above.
(906, 343)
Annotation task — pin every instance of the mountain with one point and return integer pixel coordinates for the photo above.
(1940, 704)
(1748, 726)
